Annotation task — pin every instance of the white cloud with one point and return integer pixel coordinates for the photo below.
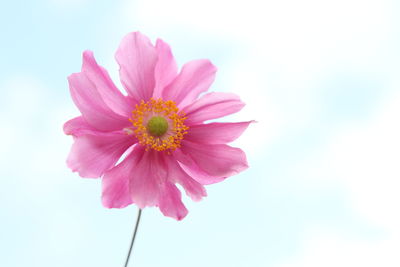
(366, 160)
(329, 248)
(22, 98)
(363, 159)
(32, 130)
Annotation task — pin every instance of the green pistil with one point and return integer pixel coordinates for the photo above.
(157, 126)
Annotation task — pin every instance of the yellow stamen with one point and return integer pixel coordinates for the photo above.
(171, 138)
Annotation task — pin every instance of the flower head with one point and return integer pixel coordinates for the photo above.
(159, 127)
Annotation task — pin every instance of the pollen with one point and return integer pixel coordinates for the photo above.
(158, 124)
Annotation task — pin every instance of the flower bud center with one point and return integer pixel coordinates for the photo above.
(157, 126)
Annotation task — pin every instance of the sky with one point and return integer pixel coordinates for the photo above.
(321, 78)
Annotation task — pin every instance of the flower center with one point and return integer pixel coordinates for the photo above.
(158, 124)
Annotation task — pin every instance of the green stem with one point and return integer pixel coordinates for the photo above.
(133, 237)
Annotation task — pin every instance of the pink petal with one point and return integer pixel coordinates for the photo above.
(171, 202)
(166, 69)
(78, 127)
(216, 133)
(195, 77)
(112, 97)
(212, 106)
(216, 160)
(92, 106)
(176, 174)
(193, 170)
(92, 155)
(147, 179)
(137, 58)
(115, 184)
(145, 175)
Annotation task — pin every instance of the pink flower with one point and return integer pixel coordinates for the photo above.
(158, 127)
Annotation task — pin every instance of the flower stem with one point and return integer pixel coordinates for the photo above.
(133, 237)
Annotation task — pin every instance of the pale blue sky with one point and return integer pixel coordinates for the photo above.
(320, 77)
